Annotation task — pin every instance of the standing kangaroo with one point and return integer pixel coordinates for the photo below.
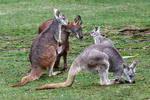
(98, 58)
(98, 38)
(43, 50)
(73, 27)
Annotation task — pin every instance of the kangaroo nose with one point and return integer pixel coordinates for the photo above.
(81, 37)
(133, 82)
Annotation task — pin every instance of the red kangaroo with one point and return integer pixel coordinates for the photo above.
(73, 27)
(43, 50)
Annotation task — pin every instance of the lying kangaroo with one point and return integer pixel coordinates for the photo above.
(98, 58)
(43, 50)
(98, 38)
(73, 27)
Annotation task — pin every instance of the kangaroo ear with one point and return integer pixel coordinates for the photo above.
(97, 29)
(56, 13)
(133, 65)
(78, 20)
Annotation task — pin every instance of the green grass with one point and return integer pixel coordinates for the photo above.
(19, 21)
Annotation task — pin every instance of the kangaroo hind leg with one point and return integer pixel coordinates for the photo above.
(104, 80)
(74, 70)
(34, 75)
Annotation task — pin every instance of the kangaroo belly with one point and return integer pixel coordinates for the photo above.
(94, 71)
(97, 62)
(97, 68)
(45, 57)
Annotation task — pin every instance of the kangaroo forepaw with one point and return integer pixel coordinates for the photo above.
(55, 73)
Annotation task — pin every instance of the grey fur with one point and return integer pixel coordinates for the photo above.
(98, 38)
(101, 58)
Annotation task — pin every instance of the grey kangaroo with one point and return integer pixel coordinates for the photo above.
(100, 59)
(98, 38)
(43, 50)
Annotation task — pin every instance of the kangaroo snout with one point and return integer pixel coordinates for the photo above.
(80, 37)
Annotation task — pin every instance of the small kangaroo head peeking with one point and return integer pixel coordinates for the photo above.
(76, 27)
(60, 18)
(78, 20)
(96, 31)
(129, 72)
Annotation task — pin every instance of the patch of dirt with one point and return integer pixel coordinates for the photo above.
(130, 30)
(134, 48)
(123, 29)
(147, 67)
(8, 36)
(16, 50)
(85, 26)
(141, 40)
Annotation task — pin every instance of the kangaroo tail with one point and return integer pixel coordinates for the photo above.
(69, 82)
(71, 76)
(34, 74)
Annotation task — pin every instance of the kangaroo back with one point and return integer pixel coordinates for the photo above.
(115, 58)
(44, 25)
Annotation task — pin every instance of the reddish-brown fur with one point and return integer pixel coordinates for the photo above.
(66, 44)
(44, 25)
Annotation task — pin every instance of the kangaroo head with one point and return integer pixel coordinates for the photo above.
(78, 20)
(96, 31)
(129, 72)
(76, 28)
(60, 18)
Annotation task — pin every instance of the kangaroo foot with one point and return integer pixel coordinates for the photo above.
(55, 73)
(64, 68)
(109, 82)
(56, 66)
